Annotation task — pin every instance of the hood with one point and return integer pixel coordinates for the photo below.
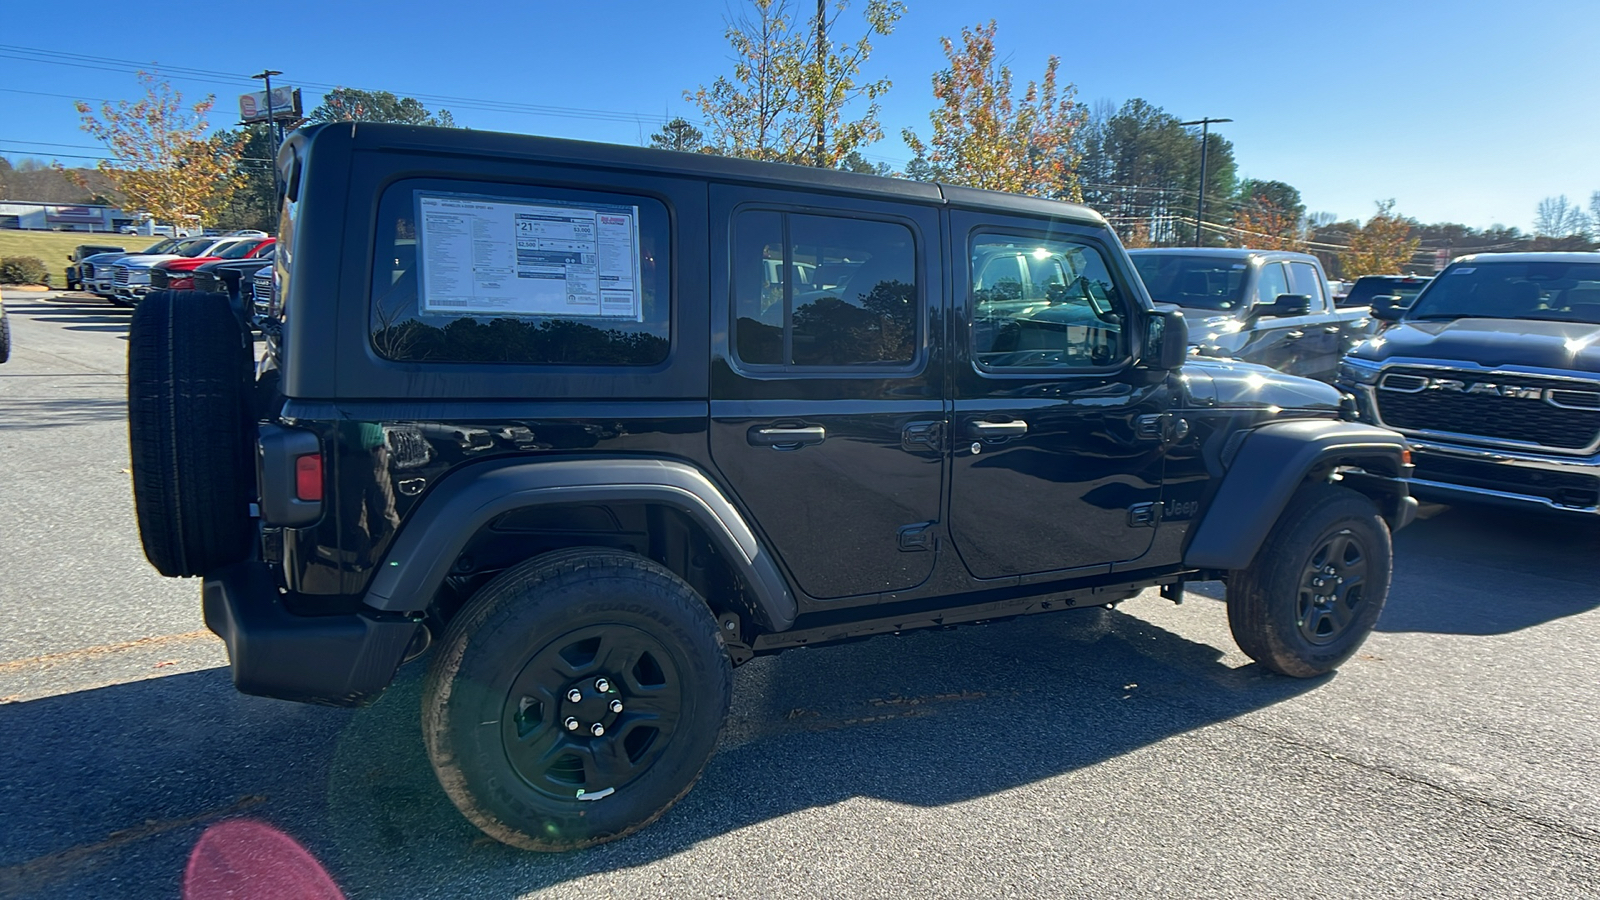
(102, 258)
(1231, 383)
(242, 265)
(1490, 343)
(145, 262)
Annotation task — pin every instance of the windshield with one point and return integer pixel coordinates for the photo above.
(1553, 291)
(1194, 282)
(1365, 289)
(238, 251)
(163, 246)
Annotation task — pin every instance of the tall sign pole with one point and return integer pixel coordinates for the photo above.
(1200, 205)
(272, 125)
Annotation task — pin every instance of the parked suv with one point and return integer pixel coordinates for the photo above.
(551, 407)
(1494, 374)
(1271, 307)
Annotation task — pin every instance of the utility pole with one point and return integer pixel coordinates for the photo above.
(822, 45)
(272, 126)
(1200, 205)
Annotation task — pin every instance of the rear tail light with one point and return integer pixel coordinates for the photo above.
(308, 477)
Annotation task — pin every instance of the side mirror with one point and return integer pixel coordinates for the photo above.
(1286, 305)
(1166, 342)
(1386, 308)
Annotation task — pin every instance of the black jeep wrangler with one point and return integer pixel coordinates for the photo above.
(603, 423)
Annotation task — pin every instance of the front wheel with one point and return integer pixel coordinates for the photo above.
(575, 698)
(1317, 585)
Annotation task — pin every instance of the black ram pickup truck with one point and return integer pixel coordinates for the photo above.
(1493, 374)
(599, 423)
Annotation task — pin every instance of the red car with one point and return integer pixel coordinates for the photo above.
(178, 274)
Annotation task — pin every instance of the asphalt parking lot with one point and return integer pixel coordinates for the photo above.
(1129, 753)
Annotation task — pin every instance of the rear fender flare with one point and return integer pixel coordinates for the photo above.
(439, 529)
(1272, 462)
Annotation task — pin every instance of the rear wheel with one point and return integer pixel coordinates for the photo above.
(1317, 585)
(575, 698)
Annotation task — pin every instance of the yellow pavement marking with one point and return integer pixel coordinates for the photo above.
(50, 659)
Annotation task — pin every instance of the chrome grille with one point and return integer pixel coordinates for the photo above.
(1524, 409)
(261, 289)
(120, 276)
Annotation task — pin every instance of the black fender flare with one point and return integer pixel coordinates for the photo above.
(1271, 463)
(438, 530)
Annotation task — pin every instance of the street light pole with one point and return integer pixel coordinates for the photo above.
(1200, 205)
(272, 131)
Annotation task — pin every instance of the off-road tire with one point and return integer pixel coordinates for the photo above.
(479, 698)
(188, 422)
(1270, 602)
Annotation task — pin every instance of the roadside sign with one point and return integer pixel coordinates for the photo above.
(285, 106)
(1441, 258)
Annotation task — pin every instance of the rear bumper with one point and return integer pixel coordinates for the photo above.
(340, 660)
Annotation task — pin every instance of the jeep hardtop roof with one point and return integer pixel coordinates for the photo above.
(368, 136)
(1225, 253)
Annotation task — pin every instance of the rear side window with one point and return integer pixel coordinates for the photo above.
(821, 292)
(1303, 279)
(1043, 304)
(500, 273)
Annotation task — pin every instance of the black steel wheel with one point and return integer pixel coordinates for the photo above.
(1317, 585)
(575, 698)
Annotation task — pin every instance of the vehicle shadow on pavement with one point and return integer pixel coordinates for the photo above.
(1481, 571)
(18, 413)
(75, 314)
(926, 719)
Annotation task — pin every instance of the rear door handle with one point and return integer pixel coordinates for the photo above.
(984, 430)
(786, 438)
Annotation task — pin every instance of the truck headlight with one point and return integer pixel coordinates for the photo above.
(1359, 371)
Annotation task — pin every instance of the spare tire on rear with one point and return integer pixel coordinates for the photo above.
(189, 373)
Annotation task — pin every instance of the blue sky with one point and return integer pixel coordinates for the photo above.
(1468, 112)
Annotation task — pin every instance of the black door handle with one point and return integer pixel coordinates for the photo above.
(997, 429)
(786, 438)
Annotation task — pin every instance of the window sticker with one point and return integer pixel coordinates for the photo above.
(519, 258)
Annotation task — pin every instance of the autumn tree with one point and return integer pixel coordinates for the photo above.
(344, 104)
(164, 162)
(1381, 247)
(793, 84)
(985, 137)
(679, 134)
(1262, 224)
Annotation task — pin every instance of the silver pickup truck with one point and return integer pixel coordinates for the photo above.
(1263, 306)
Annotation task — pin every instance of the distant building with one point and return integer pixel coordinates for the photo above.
(62, 217)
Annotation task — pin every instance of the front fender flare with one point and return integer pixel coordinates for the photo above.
(438, 530)
(1271, 464)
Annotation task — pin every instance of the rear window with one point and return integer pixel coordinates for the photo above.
(1365, 289)
(1193, 282)
(468, 272)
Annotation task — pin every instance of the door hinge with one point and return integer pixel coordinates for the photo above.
(1161, 427)
(922, 436)
(916, 537)
(1144, 515)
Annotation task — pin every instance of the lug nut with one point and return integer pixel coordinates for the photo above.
(602, 685)
(597, 729)
(1329, 570)
(616, 706)
(571, 723)
(574, 695)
